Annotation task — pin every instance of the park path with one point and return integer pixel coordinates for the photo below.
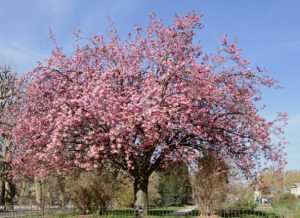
(182, 212)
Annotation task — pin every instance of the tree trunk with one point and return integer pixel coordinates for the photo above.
(141, 196)
(2, 191)
(48, 196)
(38, 192)
(9, 195)
(9, 188)
(62, 193)
(23, 192)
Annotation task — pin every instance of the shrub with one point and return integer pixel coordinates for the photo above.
(245, 203)
(93, 192)
(210, 183)
(242, 197)
(286, 199)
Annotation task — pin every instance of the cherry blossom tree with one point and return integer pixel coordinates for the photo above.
(143, 102)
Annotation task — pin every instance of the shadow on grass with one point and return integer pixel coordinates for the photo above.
(130, 212)
(120, 212)
(244, 213)
(237, 213)
(227, 213)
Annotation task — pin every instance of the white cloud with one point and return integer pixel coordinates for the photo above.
(293, 136)
(21, 58)
(26, 39)
(287, 46)
(294, 124)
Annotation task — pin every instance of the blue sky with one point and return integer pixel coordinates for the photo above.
(268, 32)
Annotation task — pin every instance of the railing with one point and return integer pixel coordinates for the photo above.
(32, 210)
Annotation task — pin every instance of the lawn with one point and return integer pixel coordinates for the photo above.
(160, 212)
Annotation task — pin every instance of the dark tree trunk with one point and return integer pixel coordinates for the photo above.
(9, 186)
(141, 196)
(2, 192)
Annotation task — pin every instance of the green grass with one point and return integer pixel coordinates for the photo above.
(152, 212)
(247, 213)
(59, 215)
(285, 211)
(159, 212)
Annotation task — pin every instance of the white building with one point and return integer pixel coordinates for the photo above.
(296, 189)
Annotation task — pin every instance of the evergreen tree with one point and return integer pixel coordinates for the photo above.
(174, 186)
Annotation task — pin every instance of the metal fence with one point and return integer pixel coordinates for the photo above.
(27, 211)
(33, 211)
(193, 211)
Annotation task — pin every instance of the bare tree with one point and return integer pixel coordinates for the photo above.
(8, 87)
(209, 183)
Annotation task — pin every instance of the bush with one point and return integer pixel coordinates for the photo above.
(244, 196)
(286, 199)
(210, 183)
(93, 192)
(245, 203)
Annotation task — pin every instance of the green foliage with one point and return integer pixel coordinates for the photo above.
(174, 186)
(287, 199)
(245, 196)
(125, 196)
(154, 197)
(245, 203)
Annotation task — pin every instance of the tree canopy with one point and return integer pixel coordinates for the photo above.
(142, 102)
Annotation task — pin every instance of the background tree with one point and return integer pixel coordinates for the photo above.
(24, 196)
(8, 88)
(276, 181)
(174, 185)
(153, 190)
(143, 102)
(210, 183)
(271, 181)
(291, 177)
(125, 197)
(53, 190)
(277, 184)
